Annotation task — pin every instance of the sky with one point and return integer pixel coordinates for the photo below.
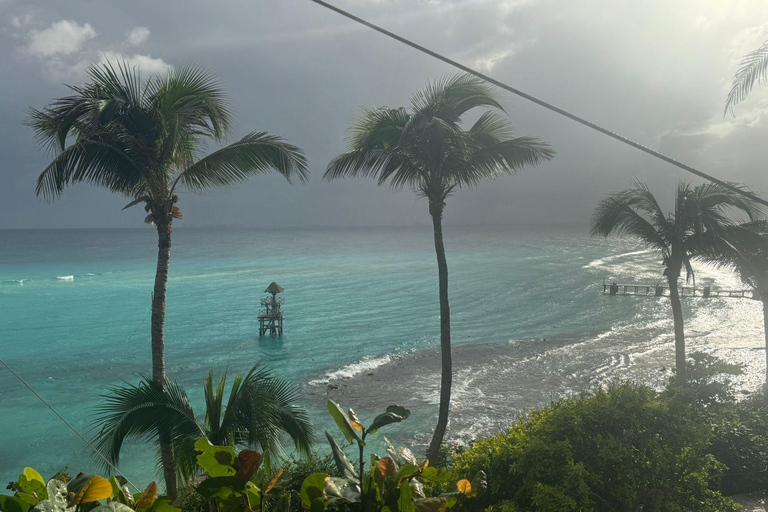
(655, 71)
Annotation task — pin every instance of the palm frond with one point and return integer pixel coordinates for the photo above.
(615, 216)
(754, 68)
(141, 412)
(256, 153)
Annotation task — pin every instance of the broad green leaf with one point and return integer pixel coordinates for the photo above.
(112, 506)
(405, 501)
(254, 498)
(343, 423)
(33, 475)
(215, 460)
(393, 414)
(479, 484)
(163, 504)
(220, 486)
(317, 505)
(342, 463)
(437, 475)
(312, 488)
(417, 488)
(13, 504)
(430, 505)
(406, 471)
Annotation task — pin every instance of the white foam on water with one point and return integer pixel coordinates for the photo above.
(366, 364)
(602, 261)
(19, 282)
(65, 278)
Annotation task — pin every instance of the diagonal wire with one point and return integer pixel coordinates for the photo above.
(54, 411)
(544, 104)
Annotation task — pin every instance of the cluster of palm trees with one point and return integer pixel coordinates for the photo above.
(141, 139)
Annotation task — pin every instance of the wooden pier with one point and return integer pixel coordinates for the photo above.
(658, 290)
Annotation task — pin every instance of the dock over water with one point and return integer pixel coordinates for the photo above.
(659, 290)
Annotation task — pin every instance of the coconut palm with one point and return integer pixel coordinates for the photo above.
(143, 139)
(426, 148)
(698, 210)
(259, 410)
(743, 248)
(754, 68)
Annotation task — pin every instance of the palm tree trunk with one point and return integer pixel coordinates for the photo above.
(163, 224)
(677, 316)
(436, 210)
(765, 333)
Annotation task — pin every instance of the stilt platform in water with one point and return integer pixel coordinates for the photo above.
(657, 290)
(271, 316)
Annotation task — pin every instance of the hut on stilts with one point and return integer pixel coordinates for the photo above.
(271, 315)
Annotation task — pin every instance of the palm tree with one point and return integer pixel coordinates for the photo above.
(698, 210)
(259, 410)
(754, 68)
(142, 139)
(743, 248)
(426, 148)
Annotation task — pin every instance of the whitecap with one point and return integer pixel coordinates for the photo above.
(603, 261)
(65, 278)
(366, 364)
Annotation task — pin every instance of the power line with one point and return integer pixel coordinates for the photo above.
(543, 103)
(54, 411)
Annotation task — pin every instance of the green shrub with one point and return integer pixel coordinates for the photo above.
(624, 448)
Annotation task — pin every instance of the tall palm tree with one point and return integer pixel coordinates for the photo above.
(754, 68)
(698, 210)
(743, 248)
(259, 410)
(143, 139)
(427, 149)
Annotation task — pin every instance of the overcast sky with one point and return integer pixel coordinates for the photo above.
(655, 71)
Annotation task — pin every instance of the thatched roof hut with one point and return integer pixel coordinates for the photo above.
(274, 288)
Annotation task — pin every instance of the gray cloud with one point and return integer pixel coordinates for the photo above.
(657, 72)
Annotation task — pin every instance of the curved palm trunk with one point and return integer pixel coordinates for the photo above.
(677, 316)
(167, 456)
(436, 210)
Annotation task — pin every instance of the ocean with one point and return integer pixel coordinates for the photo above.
(529, 322)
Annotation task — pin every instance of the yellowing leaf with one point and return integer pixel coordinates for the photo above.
(386, 467)
(33, 475)
(95, 489)
(354, 420)
(464, 486)
(147, 497)
(273, 481)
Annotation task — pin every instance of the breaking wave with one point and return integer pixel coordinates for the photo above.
(603, 261)
(364, 365)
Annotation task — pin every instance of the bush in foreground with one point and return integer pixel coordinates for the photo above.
(624, 448)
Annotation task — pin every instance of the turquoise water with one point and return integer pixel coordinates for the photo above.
(529, 323)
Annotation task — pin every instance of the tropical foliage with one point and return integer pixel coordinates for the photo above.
(259, 411)
(426, 148)
(700, 211)
(84, 492)
(395, 483)
(754, 68)
(142, 138)
(624, 448)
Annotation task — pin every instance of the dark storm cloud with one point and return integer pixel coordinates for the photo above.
(654, 71)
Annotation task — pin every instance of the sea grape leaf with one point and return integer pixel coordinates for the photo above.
(343, 423)
(393, 414)
(430, 504)
(354, 420)
(406, 471)
(312, 488)
(248, 461)
(220, 486)
(13, 504)
(89, 488)
(342, 462)
(464, 486)
(112, 506)
(163, 504)
(405, 501)
(417, 488)
(148, 497)
(254, 498)
(437, 475)
(215, 460)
